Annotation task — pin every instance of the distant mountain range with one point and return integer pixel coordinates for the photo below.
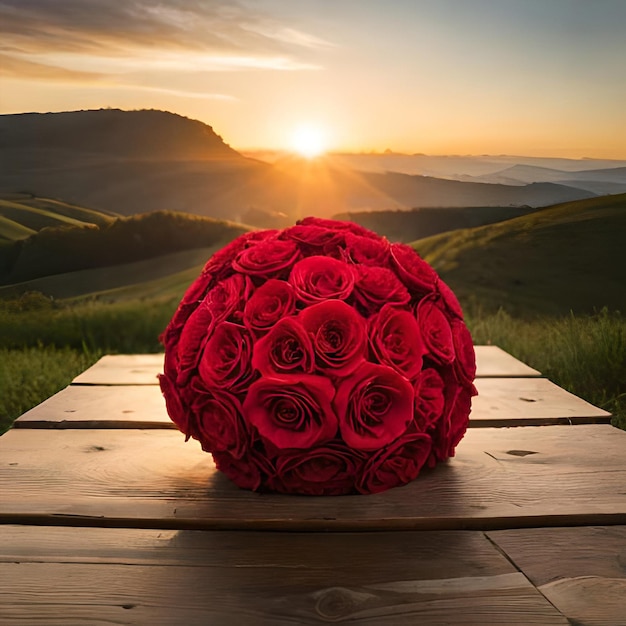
(131, 162)
(600, 181)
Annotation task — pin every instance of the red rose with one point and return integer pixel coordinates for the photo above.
(219, 422)
(429, 398)
(272, 301)
(450, 300)
(173, 403)
(248, 472)
(374, 405)
(292, 411)
(436, 331)
(197, 290)
(193, 338)
(367, 251)
(286, 349)
(319, 278)
(329, 470)
(396, 465)
(412, 270)
(338, 335)
(315, 239)
(459, 417)
(219, 266)
(396, 341)
(227, 358)
(465, 362)
(338, 225)
(267, 258)
(376, 286)
(441, 429)
(227, 299)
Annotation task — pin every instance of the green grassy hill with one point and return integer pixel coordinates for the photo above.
(163, 276)
(10, 230)
(565, 257)
(65, 251)
(21, 215)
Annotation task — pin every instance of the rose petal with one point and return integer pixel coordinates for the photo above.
(292, 411)
(396, 340)
(374, 406)
(319, 278)
(286, 349)
(396, 465)
(338, 336)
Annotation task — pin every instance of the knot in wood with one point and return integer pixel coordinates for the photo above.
(336, 603)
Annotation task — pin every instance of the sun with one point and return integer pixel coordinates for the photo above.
(309, 140)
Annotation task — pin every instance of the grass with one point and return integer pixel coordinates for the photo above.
(129, 326)
(29, 375)
(583, 354)
(44, 345)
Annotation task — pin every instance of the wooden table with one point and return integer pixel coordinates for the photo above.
(108, 517)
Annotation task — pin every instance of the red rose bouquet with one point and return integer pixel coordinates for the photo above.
(321, 360)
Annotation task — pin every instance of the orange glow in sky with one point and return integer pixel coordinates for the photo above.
(448, 77)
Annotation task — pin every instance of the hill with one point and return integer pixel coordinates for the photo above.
(140, 161)
(407, 226)
(22, 215)
(119, 241)
(561, 258)
(125, 161)
(167, 275)
(146, 134)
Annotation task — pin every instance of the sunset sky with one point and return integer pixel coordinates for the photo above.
(532, 77)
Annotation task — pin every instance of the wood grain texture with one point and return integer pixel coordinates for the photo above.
(123, 369)
(492, 361)
(124, 406)
(500, 478)
(582, 571)
(501, 402)
(194, 577)
(530, 402)
(142, 369)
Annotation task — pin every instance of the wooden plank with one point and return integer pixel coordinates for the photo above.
(492, 361)
(530, 402)
(501, 402)
(500, 478)
(90, 406)
(192, 577)
(582, 571)
(123, 369)
(142, 369)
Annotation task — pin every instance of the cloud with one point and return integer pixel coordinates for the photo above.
(13, 67)
(183, 93)
(92, 37)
